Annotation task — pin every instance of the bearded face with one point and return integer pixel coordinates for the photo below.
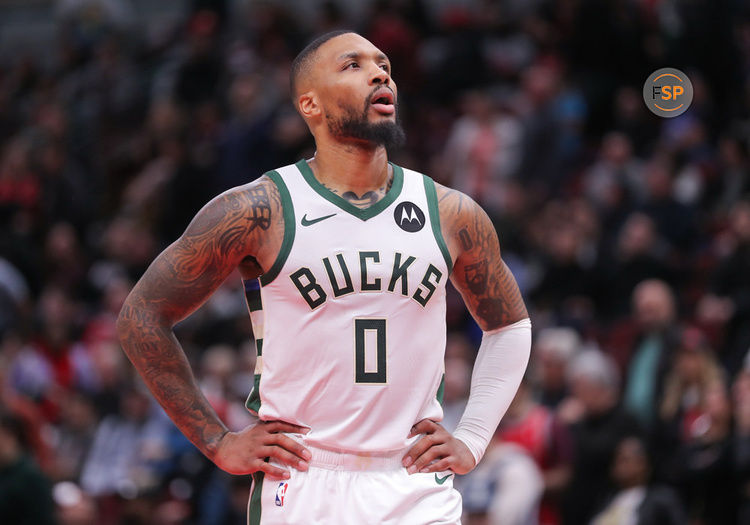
(354, 124)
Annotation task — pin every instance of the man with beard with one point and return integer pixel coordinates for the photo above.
(345, 259)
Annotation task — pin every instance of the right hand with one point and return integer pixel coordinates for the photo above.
(244, 452)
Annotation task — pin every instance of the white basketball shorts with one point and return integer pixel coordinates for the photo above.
(354, 489)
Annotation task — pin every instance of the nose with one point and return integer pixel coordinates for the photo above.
(380, 76)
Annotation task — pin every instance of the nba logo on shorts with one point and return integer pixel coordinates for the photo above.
(280, 493)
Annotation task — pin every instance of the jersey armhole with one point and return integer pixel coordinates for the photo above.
(432, 207)
(289, 226)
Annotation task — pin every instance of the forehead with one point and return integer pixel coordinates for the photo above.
(346, 45)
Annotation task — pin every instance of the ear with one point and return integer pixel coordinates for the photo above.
(308, 105)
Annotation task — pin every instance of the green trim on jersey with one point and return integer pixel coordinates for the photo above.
(253, 399)
(441, 390)
(337, 200)
(289, 226)
(432, 206)
(253, 507)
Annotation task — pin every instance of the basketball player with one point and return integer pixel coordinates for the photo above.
(345, 259)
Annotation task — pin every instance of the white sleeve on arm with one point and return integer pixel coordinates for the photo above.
(498, 370)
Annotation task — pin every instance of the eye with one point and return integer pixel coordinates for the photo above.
(352, 65)
(385, 67)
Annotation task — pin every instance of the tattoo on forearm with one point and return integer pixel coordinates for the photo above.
(486, 283)
(156, 354)
(177, 282)
(494, 311)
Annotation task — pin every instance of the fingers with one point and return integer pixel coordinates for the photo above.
(295, 454)
(439, 466)
(273, 471)
(419, 448)
(282, 426)
(285, 457)
(434, 434)
(433, 453)
(426, 426)
(290, 445)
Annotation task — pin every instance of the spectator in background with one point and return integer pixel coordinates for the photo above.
(636, 501)
(127, 449)
(504, 489)
(674, 221)
(616, 177)
(483, 150)
(21, 406)
(14, 296)
(638, 254)
(246, 145)
(542, 127)
(65, 263)
(54, 359)
(538, 431)
(25, 493)
(695, 441)
(74, 436)
(692, 373)
(741, 438)
(650, 356)
(20, 187)
(632, 119)
(199, 76)
(218, 364)
(728, 302)
(554, 349)
(597, 423)
(128, 245)
(67, 192)
(566, 289)
(705, 467)
(732, 181)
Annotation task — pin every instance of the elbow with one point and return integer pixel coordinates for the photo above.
(137, 319)
(134, 319)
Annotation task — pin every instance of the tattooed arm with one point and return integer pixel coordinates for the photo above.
(479, 273)
(242, 227)
(492, 296)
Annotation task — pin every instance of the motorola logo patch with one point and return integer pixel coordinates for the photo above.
(409, 217)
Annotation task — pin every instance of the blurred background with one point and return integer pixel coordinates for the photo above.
(629, 236)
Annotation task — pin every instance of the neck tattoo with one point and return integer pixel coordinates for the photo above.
(366, 199)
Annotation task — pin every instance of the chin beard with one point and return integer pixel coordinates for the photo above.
(355, 126)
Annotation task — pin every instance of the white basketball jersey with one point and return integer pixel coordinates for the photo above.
(350, 319)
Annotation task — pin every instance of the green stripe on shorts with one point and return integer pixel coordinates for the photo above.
(253, 509)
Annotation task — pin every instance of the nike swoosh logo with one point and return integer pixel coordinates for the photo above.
(308, 222)
(440, 481)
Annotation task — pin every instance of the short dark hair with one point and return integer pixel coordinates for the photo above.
(302, 61)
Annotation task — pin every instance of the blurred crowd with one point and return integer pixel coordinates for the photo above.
(629, 236)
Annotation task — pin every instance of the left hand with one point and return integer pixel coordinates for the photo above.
(437, 451)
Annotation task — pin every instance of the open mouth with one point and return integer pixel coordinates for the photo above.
(382, 102)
